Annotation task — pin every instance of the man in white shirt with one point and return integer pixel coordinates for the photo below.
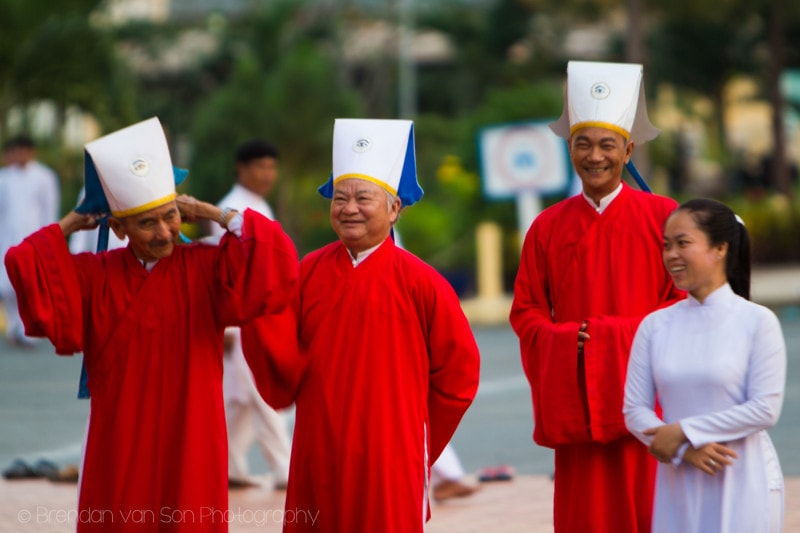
(247, 414)
(29, 200)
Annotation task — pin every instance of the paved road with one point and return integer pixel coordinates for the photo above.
(41, 417)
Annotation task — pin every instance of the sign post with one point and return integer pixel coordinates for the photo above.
(525, 161)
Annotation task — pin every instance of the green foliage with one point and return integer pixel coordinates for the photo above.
(773, 223)
(701, 54)
(50, 52)
(441, 228)
(294, 105)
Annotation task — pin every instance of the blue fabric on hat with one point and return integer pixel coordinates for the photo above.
(409, 190)
(94, 199)
(326, 189)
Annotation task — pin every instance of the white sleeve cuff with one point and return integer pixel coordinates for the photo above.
(235, 224)
(678, 459)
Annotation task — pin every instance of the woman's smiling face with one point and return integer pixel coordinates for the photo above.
(694, 264)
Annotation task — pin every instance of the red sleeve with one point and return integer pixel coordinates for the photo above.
(44, 276)
(547, 349)
(605, 374)
(258, 271)
(270, 347)
(454, 364)
(606, 365)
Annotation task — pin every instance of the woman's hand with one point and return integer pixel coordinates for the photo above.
(711, 458)
(666, 441)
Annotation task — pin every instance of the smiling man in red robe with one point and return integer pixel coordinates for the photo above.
(149, 320)
(387, 363)
(590, 271)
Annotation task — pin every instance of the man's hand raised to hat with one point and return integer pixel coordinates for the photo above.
(192, 209)
(74, 221)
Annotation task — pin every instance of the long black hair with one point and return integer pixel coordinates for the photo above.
(720, 224)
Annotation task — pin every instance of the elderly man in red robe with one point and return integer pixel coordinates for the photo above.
(590, 271)
(149, 319)
(387, 362)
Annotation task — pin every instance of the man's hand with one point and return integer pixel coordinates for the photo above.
(228, 342)
(192, 209)
(666, 441)
(582, 337)
(73, 222)
(711, 458)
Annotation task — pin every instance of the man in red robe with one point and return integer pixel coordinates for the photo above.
(387, 361)
(590, 270)
(149, 320)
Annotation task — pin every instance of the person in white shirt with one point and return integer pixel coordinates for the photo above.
(29, 200)
(247, 414)
(716, 364)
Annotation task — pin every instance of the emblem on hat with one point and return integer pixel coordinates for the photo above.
(362, 145)
(600, 90)
(140, 167)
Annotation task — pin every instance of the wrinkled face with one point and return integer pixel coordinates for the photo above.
(152, 234)
(694, 264)
(598, 155)
(258, 175)
(361, 214)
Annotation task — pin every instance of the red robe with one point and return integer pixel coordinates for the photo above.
(606, 269)
(387, 366)
(156, 453)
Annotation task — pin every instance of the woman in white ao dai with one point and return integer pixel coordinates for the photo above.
(716, 363)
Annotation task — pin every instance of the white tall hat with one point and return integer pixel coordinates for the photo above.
(134, 168)
(376, 150)
(605, 95)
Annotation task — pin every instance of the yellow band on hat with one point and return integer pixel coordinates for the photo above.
(599, 124)
(366, 178)
(146, 207)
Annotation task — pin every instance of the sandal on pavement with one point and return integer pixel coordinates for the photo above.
(44, 468)
(19, 469)
(496, 473)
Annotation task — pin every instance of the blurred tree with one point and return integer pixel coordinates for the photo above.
(441, 228)
(294, 105)
(702, 56)
(777, 11)
(50, 52)
(701, 45)
(494, 47)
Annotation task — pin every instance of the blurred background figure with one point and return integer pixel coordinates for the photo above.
(29, 200)
(448, 477)
(248, 415)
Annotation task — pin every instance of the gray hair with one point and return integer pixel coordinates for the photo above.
(390, 199)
